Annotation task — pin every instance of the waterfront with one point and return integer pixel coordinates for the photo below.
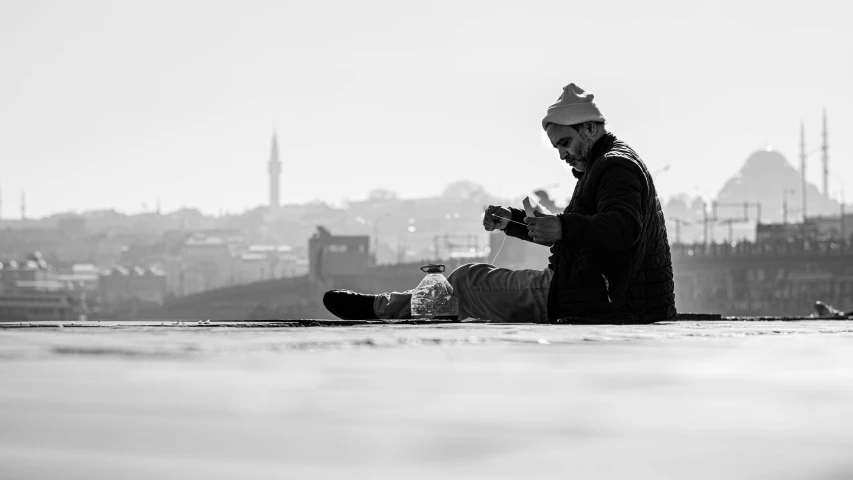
(678, 400)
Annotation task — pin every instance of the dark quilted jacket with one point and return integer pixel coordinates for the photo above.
(613, 264)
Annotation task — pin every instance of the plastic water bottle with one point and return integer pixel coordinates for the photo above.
(433, 297)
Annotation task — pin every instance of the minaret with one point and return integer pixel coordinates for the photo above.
(275, 173)
(23, 205)
(803, 165)
(825, 157)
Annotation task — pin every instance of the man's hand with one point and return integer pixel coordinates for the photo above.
(544, 229)
(492, 218)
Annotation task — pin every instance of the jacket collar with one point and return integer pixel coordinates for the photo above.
(599, 148)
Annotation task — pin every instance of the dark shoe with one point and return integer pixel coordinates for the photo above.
(825, 310)
(349, 305)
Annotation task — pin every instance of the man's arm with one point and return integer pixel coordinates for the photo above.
(619, 220)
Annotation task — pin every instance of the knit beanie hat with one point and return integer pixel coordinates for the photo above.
(573, 107)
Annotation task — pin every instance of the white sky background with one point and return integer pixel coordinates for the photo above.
(114, 104)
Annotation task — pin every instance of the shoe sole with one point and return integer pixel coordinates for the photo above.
(333, 312)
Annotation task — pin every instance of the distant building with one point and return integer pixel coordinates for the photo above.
(213, 259)
(815, 228)
(337, 255)
(204, 261)
(30, 274)
(25, 306)
(781, 232)
(129, 288)
(72, 226)
(18, 242)
(29, 290)
(79, 277)
(67, 242)
(265, 262)
(832, 227)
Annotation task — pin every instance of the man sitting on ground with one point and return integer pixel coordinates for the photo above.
(610, 260)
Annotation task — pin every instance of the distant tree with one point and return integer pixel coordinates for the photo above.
(465, 190)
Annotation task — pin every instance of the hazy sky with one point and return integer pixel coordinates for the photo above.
(114, 104)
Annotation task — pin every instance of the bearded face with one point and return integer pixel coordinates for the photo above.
(580, 160)
(573, 143)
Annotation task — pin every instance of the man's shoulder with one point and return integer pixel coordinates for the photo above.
(620, 163)
(621, 149)
(620, 155)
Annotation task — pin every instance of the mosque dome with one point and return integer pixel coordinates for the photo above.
(766, 178)
(764, 169)
(766, 160)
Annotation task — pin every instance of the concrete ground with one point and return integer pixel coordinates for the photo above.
(686, 400)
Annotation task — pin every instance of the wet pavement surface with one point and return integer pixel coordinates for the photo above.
(723, 399)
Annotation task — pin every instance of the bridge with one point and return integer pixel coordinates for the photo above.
(769, 278)
(732, 279)
(829, 255)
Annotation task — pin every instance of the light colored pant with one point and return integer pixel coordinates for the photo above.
(486, 292)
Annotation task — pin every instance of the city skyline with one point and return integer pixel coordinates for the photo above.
(100, 114)
(272, 194)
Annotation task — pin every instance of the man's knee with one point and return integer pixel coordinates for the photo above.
(463, 275)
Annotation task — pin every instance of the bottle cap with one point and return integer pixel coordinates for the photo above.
(433, 268)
